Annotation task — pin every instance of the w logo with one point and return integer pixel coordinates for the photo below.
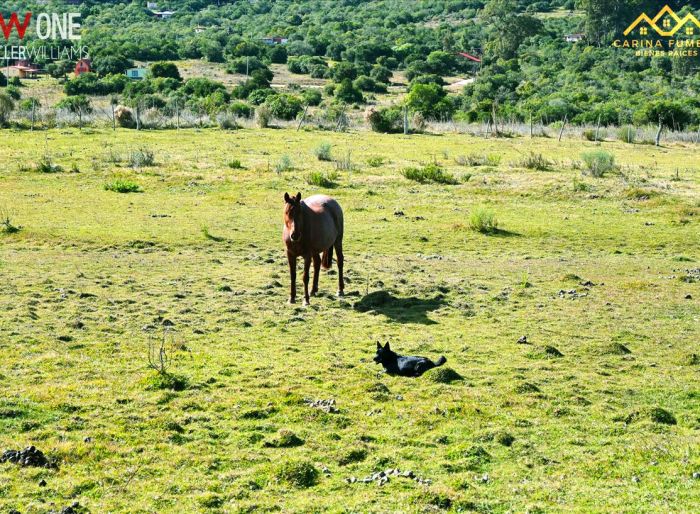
(14, 22)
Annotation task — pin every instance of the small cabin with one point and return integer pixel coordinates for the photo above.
(574, 38)
(163, 15)
(136, 73)
(83, 66)
(152, 5)
(275, 40)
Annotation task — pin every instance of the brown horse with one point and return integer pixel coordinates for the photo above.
(311, 227)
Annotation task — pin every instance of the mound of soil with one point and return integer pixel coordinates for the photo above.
(442, 375)
(29, 456)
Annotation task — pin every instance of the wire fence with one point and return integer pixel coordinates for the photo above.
(107, 116)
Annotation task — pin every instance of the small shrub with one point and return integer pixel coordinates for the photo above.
(123, 186)
(263, 116)
(659, 415)
(297, 473)
(159, 381)
(627, 134)
(581, 187)
(505, 439)
(345, 163)
(46, 165)
(483, 220)
(124, 117)
(284, 164)
(141, 157)
(319, 179)
(235, 164)
(375, 162)
(211, 237)
(429, 173)
(284, 439)
(598, 162)
(535, 161)
(6, 225)
(478, 160)
(589, 134)
(227, 121)
(639, 194)
(352, 455)
(323, 152)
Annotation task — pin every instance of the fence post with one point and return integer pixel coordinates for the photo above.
(561, 132)
(303, 117)
(114, 118)
(597, 128)
(33, 107)
(405, 120)
(531, 125)
(138, 116)
(657, 141)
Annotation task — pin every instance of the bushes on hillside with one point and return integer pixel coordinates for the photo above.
(388, 119)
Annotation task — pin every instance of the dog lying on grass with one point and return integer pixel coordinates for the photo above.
(404, 366)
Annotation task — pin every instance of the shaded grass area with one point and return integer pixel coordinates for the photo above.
(598, 412)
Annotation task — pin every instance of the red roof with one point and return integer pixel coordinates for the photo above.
(469, 56)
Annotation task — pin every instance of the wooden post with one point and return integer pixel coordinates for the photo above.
(138, 116)
(33, 108)
(530, 125)
(657, 141)
(303, 117)
(493, 115)
(597, 128)
(177, 115)
(561, 132)
(405, 120)
(114, 117)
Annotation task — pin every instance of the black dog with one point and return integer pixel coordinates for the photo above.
(408, 366)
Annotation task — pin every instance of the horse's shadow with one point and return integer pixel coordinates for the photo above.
(400, 310)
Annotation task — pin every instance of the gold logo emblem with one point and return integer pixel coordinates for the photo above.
(666, 23)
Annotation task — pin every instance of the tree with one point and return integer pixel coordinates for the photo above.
(348, 93)
(342, 71)
(507, 28)
(79, 105)
(111, 64)
(429, 100)
(277, 54)
(164, 70)
(284, 106)
(7, 105)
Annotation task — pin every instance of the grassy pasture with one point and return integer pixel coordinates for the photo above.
(588, 266)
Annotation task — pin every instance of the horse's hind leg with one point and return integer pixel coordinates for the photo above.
(317, 269)
(341, 260)
(307, 265)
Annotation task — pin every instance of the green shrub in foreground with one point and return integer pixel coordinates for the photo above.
(123, 186)
(429, 173)
(483, 220)
(598, 162)
(320, 179)
(297, 473)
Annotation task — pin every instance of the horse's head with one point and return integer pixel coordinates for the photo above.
(293, 219)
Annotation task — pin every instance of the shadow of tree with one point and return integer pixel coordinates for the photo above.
(401, 310)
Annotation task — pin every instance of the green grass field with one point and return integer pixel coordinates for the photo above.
(591, 267)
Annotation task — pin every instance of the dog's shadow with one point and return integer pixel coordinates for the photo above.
(398, 309)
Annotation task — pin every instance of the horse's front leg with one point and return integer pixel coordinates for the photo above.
(317, 269)
(307, 266)
(293, 277)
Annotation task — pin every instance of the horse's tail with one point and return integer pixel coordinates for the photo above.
(327, 258)
(442, 360)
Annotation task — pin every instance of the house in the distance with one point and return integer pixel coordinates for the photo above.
(26, 70)
(163, 15)
(136, 73)
(574, 38)
(275, 40)
(83, 66)
(152, 6)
